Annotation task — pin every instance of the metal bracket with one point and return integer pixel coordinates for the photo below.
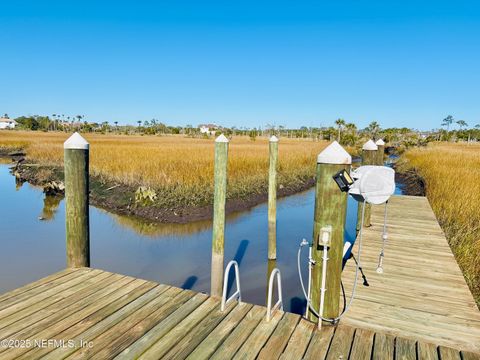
(237, 294)
(279, 303)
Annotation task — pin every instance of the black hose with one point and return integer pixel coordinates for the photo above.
(344, 297)
(365, 281)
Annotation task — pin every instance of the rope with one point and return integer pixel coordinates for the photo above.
(384, 241)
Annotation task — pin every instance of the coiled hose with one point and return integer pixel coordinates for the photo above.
(309, 303)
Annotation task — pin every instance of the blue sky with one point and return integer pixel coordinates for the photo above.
(401, 63)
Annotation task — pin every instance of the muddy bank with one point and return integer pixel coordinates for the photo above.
(410, 181)
(120, 199)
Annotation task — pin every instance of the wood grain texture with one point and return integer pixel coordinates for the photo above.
(241, 333)
(128, 318)
(330, 210)
(422, 293)
(426, 351)
(76, 169)
(298, 343)
(384, 347)
(320, 343)
(341, 343)
(272, 200)
(278, 340)
(362, 344)
(405, 349)
(218, 231)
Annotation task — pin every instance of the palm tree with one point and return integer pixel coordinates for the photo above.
(351, 134)
(462, 124)
(340, 124)
(373, 128)
(447, 122)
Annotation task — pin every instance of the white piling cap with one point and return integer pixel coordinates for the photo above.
(273, 138)
(334, 154)
(221, 138)
(380, 142)
(370, 145)
(76, 141)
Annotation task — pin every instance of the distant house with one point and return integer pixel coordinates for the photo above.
(208, 129)
(6, 123)
(424, 134)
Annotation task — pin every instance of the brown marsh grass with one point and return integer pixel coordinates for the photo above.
(180, 169)
(452, 176)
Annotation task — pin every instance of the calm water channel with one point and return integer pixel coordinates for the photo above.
(171, 254)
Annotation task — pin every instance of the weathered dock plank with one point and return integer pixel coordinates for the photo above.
(420, 308)
(422, 294)
(162, 328)
(210, 344)
(108, 316)
(273, 349)
(240, 334)
(298, 343)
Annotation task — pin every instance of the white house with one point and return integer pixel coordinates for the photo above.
(208, 129)
(6, 123)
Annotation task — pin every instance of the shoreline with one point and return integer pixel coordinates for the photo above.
(120, 199)
(412, 183)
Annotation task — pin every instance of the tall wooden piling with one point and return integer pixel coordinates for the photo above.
(219, 199)
(76, 158)
(272, 198)
(369, 157)
(330, 210)
(380, 152)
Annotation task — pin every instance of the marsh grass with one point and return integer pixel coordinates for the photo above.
(452, 176)
(180, 169)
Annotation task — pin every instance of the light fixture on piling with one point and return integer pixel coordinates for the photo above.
(368, 184)
(343, 180)
(373, 184)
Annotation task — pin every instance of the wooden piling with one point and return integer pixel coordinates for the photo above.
(76, 158)
(369, 157)
(272, 198)
(380, 152)
(330, 210)
(220, 195)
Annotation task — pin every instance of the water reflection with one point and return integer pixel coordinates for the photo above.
(155, 230)
(50, 207)
(18, 184)
(172, 254)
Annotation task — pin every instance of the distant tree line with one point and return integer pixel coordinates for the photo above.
(344, 132)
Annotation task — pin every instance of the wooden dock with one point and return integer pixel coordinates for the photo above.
(422, 293)
(420, 308)
(102, 315)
